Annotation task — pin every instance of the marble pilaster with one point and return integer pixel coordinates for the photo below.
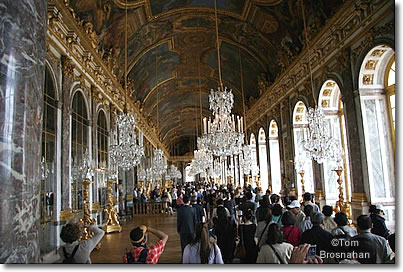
(67, 82)
(22, 67)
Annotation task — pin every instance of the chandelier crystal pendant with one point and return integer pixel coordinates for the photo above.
(126, 152)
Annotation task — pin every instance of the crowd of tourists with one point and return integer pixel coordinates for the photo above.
(224, 225)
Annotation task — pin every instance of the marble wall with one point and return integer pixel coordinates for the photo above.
(22, 56)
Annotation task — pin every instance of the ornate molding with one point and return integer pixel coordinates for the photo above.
(339, 33)
(78, 41)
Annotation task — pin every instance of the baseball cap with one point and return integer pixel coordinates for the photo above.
(294, 204)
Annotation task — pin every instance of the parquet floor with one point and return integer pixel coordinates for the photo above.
(113, 245)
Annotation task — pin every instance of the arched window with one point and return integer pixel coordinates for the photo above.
(79, 145)
(48, 180)
(300, 130)
(274, 148)
(377, 96)
(330, 100)
(264, 175)
(255, 168)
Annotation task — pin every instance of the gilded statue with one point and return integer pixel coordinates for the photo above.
(262, 83)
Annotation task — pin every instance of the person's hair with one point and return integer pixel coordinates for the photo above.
(222, 214)
(70, 233)
(268, 192)
(248, 215)
(287, 219)
(186, 199)
(372, 209)
(364, 222)
(199, 200)
(308, 210)
(277, 210)
(202, 235)
(274, 198)
(327, 210)
(307, 196)
(340, 219)
(263, 214)
(274, 234)
(248, 195)
(259, 190)
(220, 201)
(364, 250)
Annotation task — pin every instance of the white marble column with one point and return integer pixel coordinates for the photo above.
(22, 59)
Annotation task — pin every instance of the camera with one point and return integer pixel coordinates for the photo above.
(311, 253)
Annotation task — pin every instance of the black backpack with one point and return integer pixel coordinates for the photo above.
(69, 258)
(141, 260)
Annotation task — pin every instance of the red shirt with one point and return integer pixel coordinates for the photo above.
(291, 235)
(153, 253)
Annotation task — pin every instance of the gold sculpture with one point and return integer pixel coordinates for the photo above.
(112, 223)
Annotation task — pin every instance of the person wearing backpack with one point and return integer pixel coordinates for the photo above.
(78, 252)
(139, 253)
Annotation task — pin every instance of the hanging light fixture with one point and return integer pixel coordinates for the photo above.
(320, 145)
(125, 151)
(223, 134)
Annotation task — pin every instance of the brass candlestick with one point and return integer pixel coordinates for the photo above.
(302, 174)
(340, 203)
(112, 223)
(86, 219)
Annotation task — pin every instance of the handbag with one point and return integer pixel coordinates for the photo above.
(240, 251)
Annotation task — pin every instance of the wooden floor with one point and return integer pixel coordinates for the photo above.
(113, 245)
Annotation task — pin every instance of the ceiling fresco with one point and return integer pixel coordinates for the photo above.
(162, 6)
(269, 35)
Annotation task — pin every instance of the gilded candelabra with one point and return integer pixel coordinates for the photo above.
(341, 206)
(112, 223)
(302, 173)
(86, 220)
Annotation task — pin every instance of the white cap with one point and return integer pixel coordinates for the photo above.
(294, 204)
(379, 206)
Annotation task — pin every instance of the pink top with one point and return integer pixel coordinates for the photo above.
(291, 235)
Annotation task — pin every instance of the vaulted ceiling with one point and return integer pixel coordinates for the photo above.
(172, 57)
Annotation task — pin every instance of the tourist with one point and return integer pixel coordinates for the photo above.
(199, 209)
(220, 203)
(291, 233)
(378, 221)
(306, 224)
(308, 201)
(317, 235)
(294, 208)
(139, 253)
(275, 251)
(342, 230)
(230, 204)
(383, 254)
(225, 230)
(70, 234)
(202, 249)
(264, 219)
(277, 213)
(246, 233)
(186, 221)
(328, 223)
(248, 205)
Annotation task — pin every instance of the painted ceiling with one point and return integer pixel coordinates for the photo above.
(172, 56)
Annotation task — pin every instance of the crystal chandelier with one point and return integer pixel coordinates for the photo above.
(126, 152)
(201, 162)
(319, 145)
(159, 165)
(223, 136)
(245, 160)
